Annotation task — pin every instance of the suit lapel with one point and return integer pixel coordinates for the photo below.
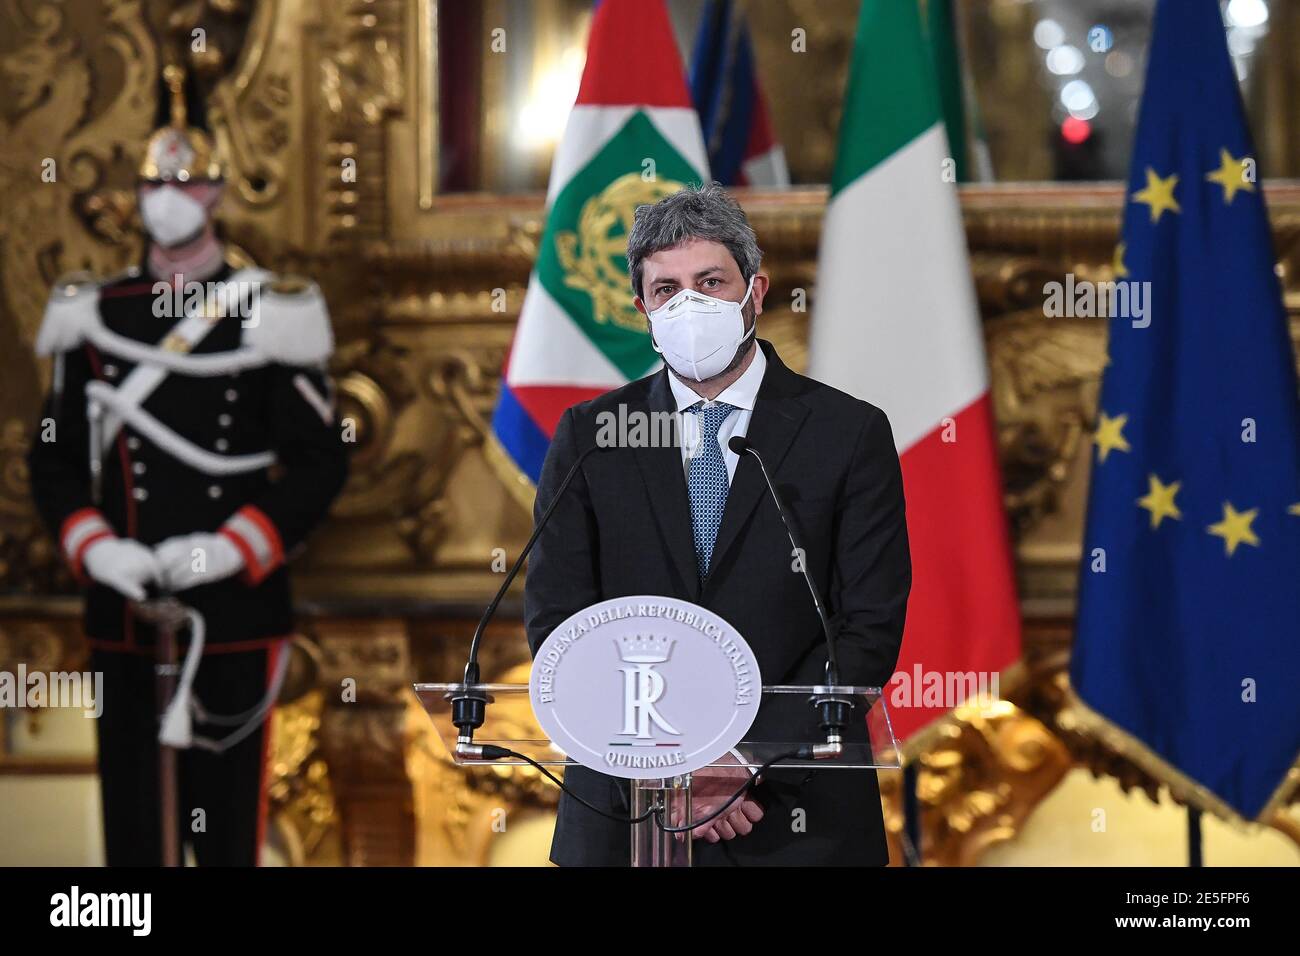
(665, 481)
(772, 428)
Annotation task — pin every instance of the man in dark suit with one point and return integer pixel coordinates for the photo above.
(696, 522)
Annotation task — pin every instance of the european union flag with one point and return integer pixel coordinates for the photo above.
(1189, 609)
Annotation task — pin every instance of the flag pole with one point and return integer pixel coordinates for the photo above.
(1194, 857)
(911, 816)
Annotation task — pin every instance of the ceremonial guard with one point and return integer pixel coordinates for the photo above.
(188, 445)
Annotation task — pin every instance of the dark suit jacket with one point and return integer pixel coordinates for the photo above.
(624, 528)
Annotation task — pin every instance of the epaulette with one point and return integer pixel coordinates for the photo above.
(292, 323)
(70, 312)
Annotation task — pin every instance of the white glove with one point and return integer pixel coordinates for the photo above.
(189, 560)
(124, 565)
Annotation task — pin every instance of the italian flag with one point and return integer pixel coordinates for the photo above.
(897, 324)
(960, 109)
(633, 137)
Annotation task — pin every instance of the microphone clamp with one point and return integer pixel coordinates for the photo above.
(833, 712)
(468, 707)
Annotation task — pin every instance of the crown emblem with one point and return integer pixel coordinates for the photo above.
(644, 649)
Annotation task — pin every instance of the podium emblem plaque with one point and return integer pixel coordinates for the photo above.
(645, 687)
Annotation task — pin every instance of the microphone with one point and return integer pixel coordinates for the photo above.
(469, 706)
(832, 709)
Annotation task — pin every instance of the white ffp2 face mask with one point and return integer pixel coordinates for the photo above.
(171, 216)
(699, 335)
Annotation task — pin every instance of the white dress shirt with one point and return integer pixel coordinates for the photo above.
(742, 393)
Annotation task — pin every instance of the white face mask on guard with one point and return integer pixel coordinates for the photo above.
(171, 216)
(699, 335)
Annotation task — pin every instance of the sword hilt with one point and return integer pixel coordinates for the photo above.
(161, 610)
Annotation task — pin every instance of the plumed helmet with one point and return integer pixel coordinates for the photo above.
(178, 151)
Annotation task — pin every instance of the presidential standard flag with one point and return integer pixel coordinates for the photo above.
(743, 149)
(633, 137)
(896, 323)
(1188, 640)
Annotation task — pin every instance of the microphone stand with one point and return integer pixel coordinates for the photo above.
(832, 709)
(469, 704)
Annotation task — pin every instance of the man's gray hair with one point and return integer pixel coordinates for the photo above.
(696, 212)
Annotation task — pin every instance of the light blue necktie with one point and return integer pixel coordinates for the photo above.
(706, 478)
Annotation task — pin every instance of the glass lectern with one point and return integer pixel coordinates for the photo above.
(786, 722)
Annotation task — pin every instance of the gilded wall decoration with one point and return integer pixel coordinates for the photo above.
(65, 140)
(985, 768)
